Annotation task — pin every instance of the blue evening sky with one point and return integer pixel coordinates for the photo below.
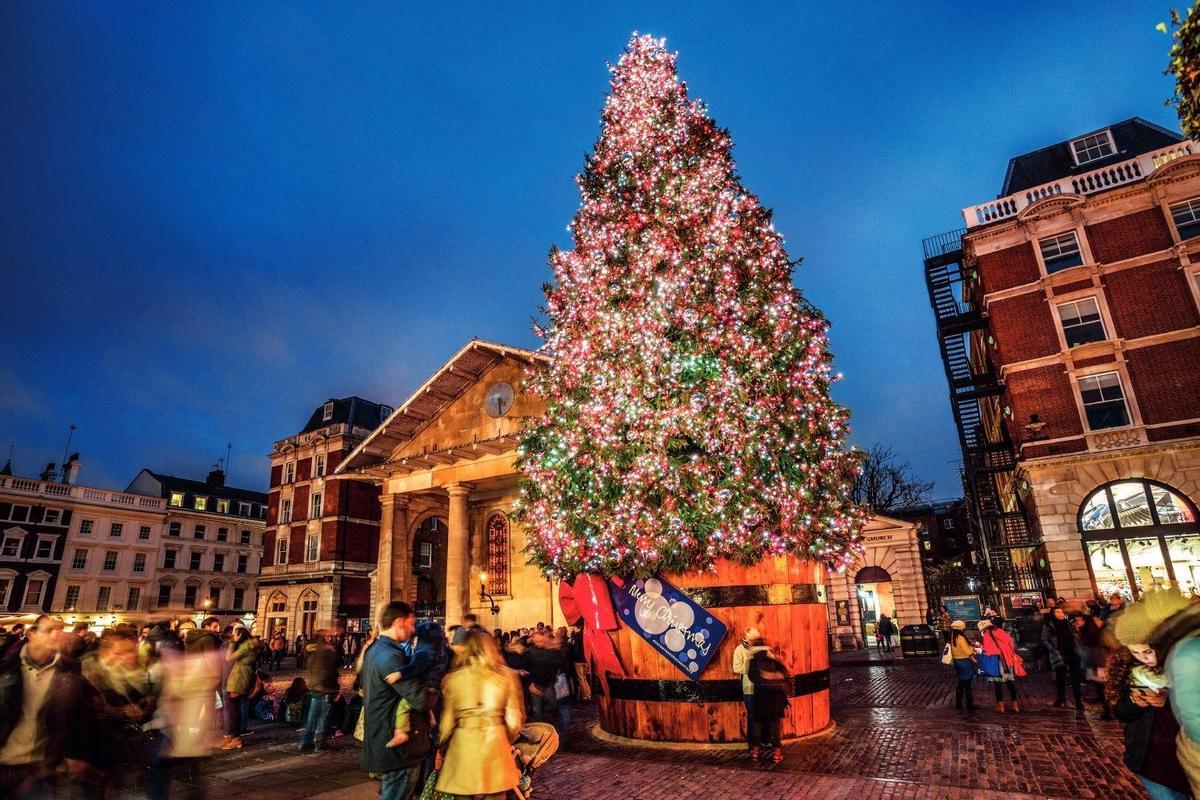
(213, 216)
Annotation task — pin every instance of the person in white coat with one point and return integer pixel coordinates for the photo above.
(751, 643)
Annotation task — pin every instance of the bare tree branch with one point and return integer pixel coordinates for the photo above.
(887, 483)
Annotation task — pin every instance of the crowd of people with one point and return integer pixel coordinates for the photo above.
(1141, 660)
(142, 707)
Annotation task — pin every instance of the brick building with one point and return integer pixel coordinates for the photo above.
(1068, 319)
(945, 533)
(322, 531)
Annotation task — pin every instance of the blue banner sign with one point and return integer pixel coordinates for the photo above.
(684, 633)
(963, 607)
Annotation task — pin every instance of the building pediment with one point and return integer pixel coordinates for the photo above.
(1050, 206)
(1177, 169)
(445, 420)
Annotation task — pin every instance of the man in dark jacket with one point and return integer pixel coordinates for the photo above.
(322, 688)
(43, 710)
(399, 768)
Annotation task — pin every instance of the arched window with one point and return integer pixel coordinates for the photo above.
(497, 554)
(1139, 535)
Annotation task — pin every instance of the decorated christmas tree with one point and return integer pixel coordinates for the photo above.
(688, 416)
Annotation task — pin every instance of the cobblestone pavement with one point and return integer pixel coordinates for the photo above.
(897, 737)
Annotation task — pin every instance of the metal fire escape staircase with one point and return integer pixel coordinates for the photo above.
(987, 460)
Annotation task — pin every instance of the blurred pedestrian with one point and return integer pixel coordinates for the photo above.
(1061, 641)
(278, 648)
(300, 650)
(322, 687)
(742, 654)
(770, 680)
(1178, 638)
(1138, 689)
(241, 655)
(962, 654)
(1095, 648)
(481, 718)
(885, 629)
(997, 642)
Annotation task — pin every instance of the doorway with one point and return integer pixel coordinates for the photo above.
(873, 586)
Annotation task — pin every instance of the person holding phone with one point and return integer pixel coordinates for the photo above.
(1138, 691)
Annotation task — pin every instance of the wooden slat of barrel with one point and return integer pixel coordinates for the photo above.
(795, 631)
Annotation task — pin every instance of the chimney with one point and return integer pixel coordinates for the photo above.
(71, 470)
(216, 478)
(48, 473)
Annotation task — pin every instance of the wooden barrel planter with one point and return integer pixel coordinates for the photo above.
(778, 596)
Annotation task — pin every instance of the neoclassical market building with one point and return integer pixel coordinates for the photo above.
(445, 465)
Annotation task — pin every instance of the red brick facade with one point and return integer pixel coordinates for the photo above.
(1149, 299)
(1167, 380)
(1023, 328)
(1128, 236)
(1047, 392)
(1005, 269)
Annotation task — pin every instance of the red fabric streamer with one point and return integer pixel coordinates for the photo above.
(586, 599)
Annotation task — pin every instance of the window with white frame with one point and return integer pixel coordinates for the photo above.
(1093, 147)
(169, 557)
(5, 587)
(194, 560)
(1081, 322)
(199, 531)
(320, 469)
(311, 545)
(33, 591)
(244, 537)
(86, 526)
(45, 548)
(134, 599)
(144, 532)
(18, 513)
(110, 561)
(285, 510)
(426, 555)
(1104, 401)
(218, 562)
(243, 509)
(174, 528)
(289, 472)
(222, 506)
(201, 503)
(243, 562)
(315, 513)
(239, 597)
(11, 546)
(79, 560)
(222, 534)
(164, 594)
(327, 412)
(1060, 252)
(71, 601)
(1186, 216)
(103, 598)
(177, 498)
(116, 529)
(281, 550)
(139, 562)
(189, 595)
(52, 516)
(947, 524)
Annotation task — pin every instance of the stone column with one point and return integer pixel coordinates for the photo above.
(383, 569)
(401, 549)
(458, 554)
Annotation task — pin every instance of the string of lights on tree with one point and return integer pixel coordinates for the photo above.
(688, 416)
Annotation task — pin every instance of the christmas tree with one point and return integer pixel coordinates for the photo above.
(688, 415)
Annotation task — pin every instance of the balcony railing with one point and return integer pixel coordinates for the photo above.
(1086, 183)
(50, 489)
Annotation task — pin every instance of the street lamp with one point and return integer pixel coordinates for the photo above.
(483, 594)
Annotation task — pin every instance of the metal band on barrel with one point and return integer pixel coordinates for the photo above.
(715, 691)
(769, 594)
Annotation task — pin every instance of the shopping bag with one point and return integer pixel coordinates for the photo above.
(989, 666)
(562, 687)
(430, 791)
(947, 659)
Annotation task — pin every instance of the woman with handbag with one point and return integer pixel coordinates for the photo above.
(997, 643)
(962, 656)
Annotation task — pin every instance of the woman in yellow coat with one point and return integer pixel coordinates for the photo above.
(482, 713)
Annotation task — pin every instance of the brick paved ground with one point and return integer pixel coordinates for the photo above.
(898, 737)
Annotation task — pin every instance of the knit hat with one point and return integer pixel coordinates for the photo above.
(958, 625)
(984, 624)
(1136, 623)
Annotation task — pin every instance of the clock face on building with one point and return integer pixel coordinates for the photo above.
(499, 399)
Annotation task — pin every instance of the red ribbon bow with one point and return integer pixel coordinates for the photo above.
(587, 599)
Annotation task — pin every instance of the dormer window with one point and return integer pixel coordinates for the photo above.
(1093, 147)
(385, 412)
(327, 412)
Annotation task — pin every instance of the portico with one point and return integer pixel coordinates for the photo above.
(445, 462)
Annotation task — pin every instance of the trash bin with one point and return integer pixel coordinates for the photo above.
(918, 641)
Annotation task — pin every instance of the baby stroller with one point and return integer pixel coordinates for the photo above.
(534, 746)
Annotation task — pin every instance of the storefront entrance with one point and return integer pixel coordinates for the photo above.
(873, 586)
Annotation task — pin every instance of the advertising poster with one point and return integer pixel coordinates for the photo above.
(683, 632)
(963, 607)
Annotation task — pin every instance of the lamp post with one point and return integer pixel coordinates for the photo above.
(483, 594)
